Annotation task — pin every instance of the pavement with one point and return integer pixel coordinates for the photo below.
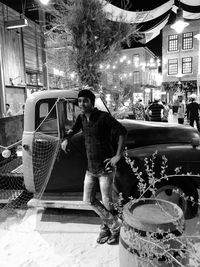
(55, 238)
(62, 238)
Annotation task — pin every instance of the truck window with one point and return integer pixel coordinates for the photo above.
(100, 104)
(46, 117)
(71, 112)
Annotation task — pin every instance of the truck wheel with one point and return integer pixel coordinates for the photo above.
(173, 191)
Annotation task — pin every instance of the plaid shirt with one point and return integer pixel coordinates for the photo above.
(98, 133)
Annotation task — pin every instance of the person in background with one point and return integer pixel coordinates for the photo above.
(8, 112)
(139, 110)
(181, 109)
(21, 111)
(193, 109)
(155, 110)
(102, 158)
(165, 112)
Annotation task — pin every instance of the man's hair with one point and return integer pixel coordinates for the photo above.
(87, 93)
(7, 104)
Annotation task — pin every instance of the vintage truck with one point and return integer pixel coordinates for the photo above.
(55, 178)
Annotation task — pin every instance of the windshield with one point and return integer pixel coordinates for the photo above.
(100, 104)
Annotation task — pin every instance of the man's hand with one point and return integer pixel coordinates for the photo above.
(64, 145)
(112, 161)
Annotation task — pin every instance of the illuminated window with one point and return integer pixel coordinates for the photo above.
(187, 41)
(173, 42)
(136, 60)
(187, 65)
(136, 77)
(173, 66)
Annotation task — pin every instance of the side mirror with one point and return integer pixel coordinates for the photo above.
(195, 142)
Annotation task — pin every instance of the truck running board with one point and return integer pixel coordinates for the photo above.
(59, 204)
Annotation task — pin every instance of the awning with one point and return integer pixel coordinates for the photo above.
(150, 16)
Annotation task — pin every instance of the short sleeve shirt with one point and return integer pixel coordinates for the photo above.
(156, 111)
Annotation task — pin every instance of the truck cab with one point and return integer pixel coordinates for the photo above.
(55, 178)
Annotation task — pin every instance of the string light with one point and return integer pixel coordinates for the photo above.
(44, 2)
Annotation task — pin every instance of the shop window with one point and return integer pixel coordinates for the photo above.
(34, 78)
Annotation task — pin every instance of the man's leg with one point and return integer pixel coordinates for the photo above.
(197, 123)
(192, 122)
(106, 182)
(89, 197)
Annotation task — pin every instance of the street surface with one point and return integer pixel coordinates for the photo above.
(61, 238)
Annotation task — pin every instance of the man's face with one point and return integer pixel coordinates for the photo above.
(85, 104)
(180, 98)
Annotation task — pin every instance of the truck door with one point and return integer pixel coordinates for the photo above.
(45, 166)
(70, 166)
(40, 145)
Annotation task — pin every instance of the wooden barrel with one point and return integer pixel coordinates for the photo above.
(146, 226)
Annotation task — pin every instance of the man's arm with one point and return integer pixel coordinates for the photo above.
(75, 129)
(121, 132)
(120, 148)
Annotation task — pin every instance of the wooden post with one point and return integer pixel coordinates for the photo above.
(44, 55)
(2, 88)
(24, 61)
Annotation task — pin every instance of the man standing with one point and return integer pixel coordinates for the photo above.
(97, 127)
(193, 109)
(155, 110)
(181, 110)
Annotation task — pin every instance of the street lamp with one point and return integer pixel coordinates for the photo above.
(179, 24)
(44, 2)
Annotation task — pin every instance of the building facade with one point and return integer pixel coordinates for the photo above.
(180, 61)
(133, 73)
(26, 63)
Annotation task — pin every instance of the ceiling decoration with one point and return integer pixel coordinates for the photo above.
(151, 16)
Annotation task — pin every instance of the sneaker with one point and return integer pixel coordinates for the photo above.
(113, 239)
(103, 236)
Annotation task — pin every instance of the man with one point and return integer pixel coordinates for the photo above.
(181, 110)
(97, 127)
(193, 109)
(155, 110)
(8, 111)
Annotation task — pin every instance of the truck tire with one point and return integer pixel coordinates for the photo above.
(173, 190)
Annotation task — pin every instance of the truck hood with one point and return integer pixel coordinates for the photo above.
(142, 133)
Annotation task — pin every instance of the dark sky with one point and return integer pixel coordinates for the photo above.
(155, 45)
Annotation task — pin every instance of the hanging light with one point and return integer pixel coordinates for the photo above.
(44, 2)
(179, 24)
